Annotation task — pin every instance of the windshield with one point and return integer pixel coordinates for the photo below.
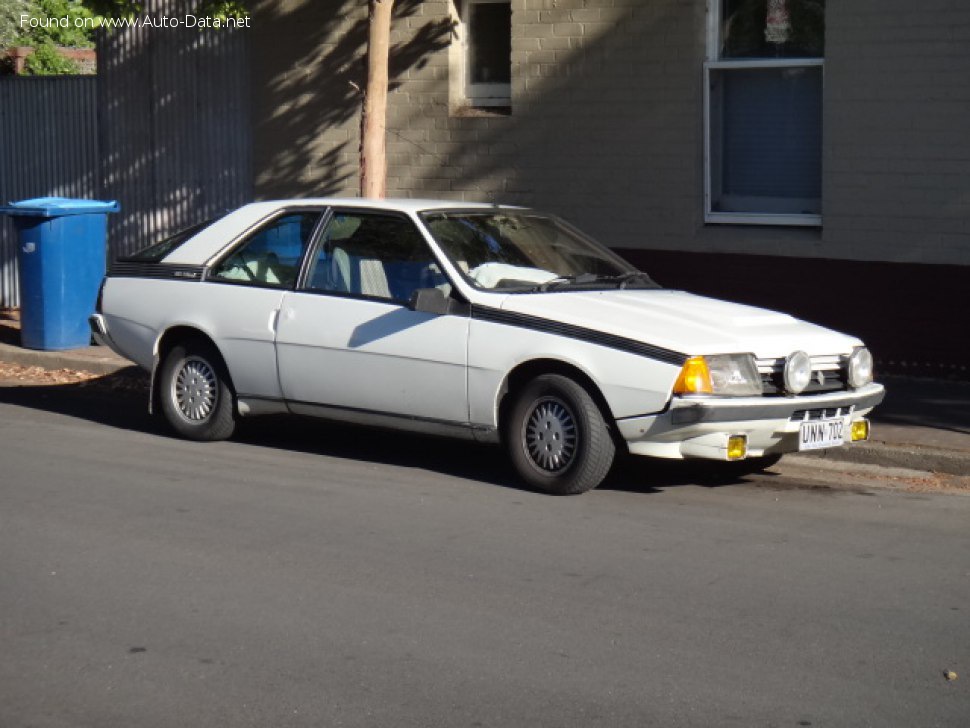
(520, 252)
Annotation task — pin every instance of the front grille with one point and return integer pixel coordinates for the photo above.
(829, 374)
(821, 413)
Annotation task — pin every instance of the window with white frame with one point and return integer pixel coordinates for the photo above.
(763, 112)
(485, 31)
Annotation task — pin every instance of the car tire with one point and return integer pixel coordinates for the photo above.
(557, 437)
(195, 392)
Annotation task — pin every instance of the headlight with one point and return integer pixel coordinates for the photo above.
(728, 375)
(860, 368)
(798, 372)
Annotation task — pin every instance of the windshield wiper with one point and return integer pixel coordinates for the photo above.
(565, 281)
(624, 279)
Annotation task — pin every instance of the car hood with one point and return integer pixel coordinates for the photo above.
(684, 322)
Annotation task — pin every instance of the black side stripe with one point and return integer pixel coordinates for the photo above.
(592, 336)
(131, 269)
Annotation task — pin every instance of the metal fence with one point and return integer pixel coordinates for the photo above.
(48, 146)
(164, 129)
(174, 128)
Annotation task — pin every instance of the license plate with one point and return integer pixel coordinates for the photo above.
(821, 434)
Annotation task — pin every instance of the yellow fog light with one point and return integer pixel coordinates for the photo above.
(695, 377)
(860, 430)
(737, 447)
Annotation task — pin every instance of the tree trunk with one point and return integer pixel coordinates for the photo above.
(373, 156)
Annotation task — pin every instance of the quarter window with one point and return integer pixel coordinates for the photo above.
(271, 256)
(763, 104)
(373, 256)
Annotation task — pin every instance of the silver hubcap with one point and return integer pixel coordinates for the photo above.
(550, 435)
(195, 389)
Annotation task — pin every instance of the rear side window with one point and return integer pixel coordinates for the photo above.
(155, 252)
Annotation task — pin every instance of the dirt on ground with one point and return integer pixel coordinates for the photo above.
(39, 375)
(131, 380)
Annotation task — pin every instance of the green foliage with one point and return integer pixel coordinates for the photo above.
(46, 61)
(56, 23)
(51, 33)
(10, 12)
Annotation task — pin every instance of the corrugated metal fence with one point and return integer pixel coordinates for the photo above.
(174, 127)
(48, 146)
(163, 129)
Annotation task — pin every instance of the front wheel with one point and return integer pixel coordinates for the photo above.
(557, 437)
(195, 394)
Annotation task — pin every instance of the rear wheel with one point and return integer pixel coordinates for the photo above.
(195, 394)
(557, 437)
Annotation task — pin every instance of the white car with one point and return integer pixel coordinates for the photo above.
(494, 323)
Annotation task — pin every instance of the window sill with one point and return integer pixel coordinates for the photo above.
(750, 218)
(488, 112)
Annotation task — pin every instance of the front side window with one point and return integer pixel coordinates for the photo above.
(764, 112)
(270, 256)
(373, 255)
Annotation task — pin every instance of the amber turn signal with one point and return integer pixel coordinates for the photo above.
(695, 377)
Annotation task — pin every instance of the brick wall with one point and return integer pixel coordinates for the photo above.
(303, 57)
(607, 121)
(897, 145)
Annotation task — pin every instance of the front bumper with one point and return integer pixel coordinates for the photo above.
(700, 426)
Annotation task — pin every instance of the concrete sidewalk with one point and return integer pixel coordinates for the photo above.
(923, 424)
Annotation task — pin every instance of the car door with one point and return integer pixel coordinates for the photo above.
(242, 295)
(346, 339)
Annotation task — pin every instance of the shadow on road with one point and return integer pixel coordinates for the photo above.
(119, 400)
(937, 404)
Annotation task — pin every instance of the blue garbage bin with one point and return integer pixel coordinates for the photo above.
(61, 254)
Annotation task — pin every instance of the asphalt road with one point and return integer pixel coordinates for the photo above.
(312, 575)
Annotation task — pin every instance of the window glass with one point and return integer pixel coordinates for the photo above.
(488, 52)
(374, 255)
(490, 42)
(271, 256)
(764, 112)
(772, 28)
(157, 251)
(769, 140)
(518, 252)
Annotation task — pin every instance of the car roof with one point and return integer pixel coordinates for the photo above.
(407, 205)
(210, 240)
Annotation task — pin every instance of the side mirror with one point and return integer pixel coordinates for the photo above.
(429, 300)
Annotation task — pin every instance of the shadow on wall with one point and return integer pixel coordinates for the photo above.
(173, 126)
(596, 125)
(309, 64)
(606, 129)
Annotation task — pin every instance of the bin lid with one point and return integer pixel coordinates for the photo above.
(59, 206)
